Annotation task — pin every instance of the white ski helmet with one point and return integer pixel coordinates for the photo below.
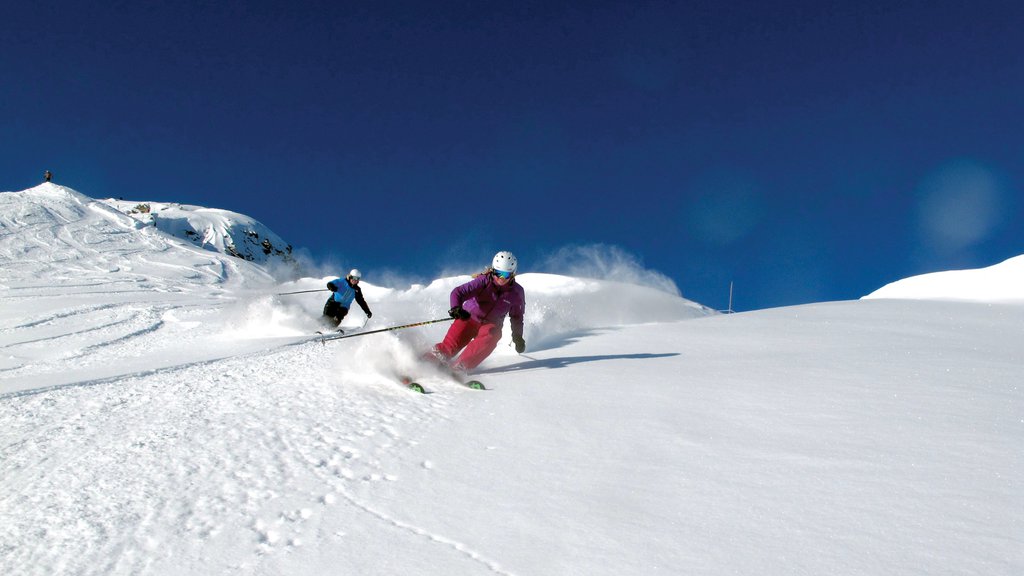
(355, 274)
(504, 261)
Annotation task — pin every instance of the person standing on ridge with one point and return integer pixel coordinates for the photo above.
(479, 308)
(345, 290)
(47, 176)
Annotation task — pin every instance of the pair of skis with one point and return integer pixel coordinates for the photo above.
(439, 363)
(411, 384)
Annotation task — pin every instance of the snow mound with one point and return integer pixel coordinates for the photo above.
(560, 308)
(1003, 282)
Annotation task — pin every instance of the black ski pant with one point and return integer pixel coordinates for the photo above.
(336, 312)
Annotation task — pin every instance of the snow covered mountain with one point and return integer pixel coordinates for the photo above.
(220, 230)
(66, 220)
(165, 411)
(55, 235)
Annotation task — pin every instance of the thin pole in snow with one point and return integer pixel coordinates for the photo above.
(302, 292)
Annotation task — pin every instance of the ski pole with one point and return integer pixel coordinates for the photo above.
(388, 329)
(302, 292)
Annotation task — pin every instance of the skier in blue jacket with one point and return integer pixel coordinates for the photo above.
(345, 290)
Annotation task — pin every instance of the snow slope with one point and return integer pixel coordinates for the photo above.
(165, 413)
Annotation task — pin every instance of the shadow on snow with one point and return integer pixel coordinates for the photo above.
(537, 363)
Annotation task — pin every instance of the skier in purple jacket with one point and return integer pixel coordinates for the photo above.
(479, 308)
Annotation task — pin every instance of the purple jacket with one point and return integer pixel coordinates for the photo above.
(489, 303)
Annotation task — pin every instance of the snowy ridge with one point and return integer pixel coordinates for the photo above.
(62, 236)
(223, 231)
(165, 412)
(1003, 282)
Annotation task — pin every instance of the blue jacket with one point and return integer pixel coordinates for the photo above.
(344, 293)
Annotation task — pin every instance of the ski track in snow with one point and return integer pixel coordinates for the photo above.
(420, 532)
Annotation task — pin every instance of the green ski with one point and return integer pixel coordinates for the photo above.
(412, 385)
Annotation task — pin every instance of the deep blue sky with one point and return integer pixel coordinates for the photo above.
(808, 151)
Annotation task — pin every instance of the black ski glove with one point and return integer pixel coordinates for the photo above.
(332, 287)
(369, 315)
(520, 344)
(458, 313)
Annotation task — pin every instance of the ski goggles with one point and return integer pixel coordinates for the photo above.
(503, 274)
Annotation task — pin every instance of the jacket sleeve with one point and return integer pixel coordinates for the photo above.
(516, 313)
(361, 301)
(466, 291)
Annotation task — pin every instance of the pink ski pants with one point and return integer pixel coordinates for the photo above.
(479, 340)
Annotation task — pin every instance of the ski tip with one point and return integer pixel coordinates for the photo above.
(411, 384)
